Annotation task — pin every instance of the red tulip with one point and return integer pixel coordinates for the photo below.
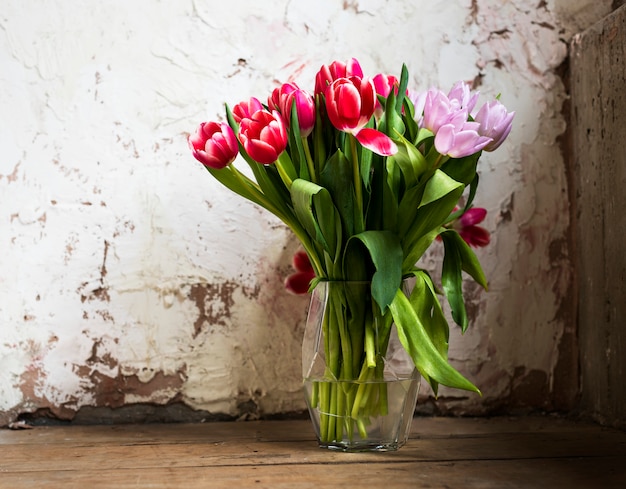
(282, 99)
(337, 69)
(263, 136)
(245, 110)
(298, 282)
(214, 144)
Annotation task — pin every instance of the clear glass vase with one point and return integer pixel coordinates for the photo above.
(360, 384)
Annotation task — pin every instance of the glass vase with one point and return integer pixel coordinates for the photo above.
(360, 384)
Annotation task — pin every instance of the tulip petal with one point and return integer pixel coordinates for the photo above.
(473, 216)
(377, 142)
(298, 283)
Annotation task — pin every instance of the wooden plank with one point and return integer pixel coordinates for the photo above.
(443, 452)
(246, 453)
(559, 473)
(598, 77)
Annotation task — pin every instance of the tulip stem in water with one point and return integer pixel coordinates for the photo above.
(356, 171)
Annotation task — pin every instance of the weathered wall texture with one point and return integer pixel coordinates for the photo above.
(128, 277)
(599, 118)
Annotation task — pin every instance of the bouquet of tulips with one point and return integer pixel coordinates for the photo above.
(367, 174)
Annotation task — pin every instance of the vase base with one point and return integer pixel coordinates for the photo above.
(362, 447)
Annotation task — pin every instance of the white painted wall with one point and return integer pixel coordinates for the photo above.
(128, 275)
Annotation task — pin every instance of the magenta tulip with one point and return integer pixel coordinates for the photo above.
(263, 136)
(285, 96)
(245, 110)
(214, 144)
(383, 84)
(494, 122)
(337, 69)
(467, 227)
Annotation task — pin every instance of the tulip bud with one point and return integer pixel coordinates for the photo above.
(214, 144)
(350, 103)
(244, 110)
(335, 70)
(263, 136)
(494, 122)
(282, 99)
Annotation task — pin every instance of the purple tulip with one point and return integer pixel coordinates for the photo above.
(459, 138)
(462, 97)
(494, 122)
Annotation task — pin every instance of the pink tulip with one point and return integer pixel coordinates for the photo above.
(467, 227)
(282, 99)
(263, 136)
(494, 122)
(383, 84)
(337, 69)
(214, 144)
(350, 103)
(299, 281)
(245, 110)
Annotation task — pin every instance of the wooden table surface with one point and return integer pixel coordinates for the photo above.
(527, 452)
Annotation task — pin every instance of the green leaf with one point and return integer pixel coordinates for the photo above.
(462, 169)
(337, 179)
(469, 260)
(386, 255)
(452, 281)
(416, 341)
(441, 194)
(410, 161)
(316, 212)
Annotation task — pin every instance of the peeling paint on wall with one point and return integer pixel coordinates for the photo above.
(128, 276)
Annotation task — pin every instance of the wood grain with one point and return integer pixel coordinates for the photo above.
(442, 452)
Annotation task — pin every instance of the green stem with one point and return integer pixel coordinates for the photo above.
(356, 174)
(309, 160)
(283, 174)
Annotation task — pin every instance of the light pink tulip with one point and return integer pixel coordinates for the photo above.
(494, 122)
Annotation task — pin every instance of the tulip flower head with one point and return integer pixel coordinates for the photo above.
(214, 144)
(383, 84)
(263, 136)
(466, 225)
(285, 96)
(244, 110)
(462, 97)
(494, 122)
(329, 73)
(299, 281)
(350, 104)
